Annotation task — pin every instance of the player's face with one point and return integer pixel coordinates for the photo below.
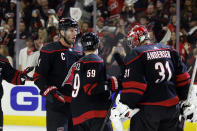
(70, 34)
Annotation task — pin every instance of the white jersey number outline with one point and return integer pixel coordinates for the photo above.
(163, 69)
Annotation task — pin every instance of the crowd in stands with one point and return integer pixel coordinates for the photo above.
(39, 25)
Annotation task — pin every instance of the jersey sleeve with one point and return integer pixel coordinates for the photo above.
(134, 83)
(11, 75)
(182, 77)
(41, 71)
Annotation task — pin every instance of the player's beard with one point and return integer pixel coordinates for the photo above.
(69, 42)
(68, 38)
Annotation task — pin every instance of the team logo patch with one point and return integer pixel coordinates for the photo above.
(60, 129)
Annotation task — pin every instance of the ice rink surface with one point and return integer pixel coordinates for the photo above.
(23, 128)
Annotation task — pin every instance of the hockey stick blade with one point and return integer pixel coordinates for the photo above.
(120, 62)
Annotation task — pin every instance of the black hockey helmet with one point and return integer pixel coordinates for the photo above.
(90, 41)
(65, 23)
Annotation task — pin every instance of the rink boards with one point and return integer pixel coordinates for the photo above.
(22, 105)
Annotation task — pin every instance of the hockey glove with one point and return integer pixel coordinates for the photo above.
(112, 83)
(52, 95)
(125, 111)
(26, 71)
(24, 75)
(116, 120)
(188, 111)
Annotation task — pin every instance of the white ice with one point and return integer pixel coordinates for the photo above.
(23, 128)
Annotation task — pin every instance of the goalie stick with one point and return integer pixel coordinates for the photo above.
(120, 62)
(183, 119)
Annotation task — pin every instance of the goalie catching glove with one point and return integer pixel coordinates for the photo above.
(188, 111)
(121, 111)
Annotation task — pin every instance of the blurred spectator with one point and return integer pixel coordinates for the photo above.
(172, 24)
(23, 31)
(161, 14)
(4, 5)
(188, 12)
(120, 31)
(192, 53)
(112, 66)
(43, 9)
(102, 8)
(172, 9)
(9, 35)
(182, 50)
(36, 21)
(27, 56)
(85, 27)
(115, 7)
(11, 10)
(52, 19)
(42, 38)
(151, 12)
(143, 20)
(4, 52)
(63, 8)
(56, 38)
(99, 26)
(152, 37)
(52, 34)
(26, 11)
(128, 13)
(192, 34)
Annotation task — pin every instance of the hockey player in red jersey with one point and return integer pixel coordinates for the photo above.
(90, 95)
(155, 80)
(11, 75)
(54, 62)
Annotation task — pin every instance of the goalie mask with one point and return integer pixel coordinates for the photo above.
(137, 35)
(90, 41)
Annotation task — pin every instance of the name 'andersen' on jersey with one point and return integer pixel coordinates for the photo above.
(154, 75)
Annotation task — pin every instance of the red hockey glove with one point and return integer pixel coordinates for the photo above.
(52, 94)
(113, 84)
